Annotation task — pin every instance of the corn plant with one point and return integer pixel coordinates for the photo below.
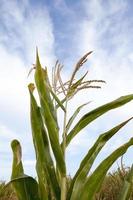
(52, 178)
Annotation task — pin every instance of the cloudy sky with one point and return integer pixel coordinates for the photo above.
(65, 30)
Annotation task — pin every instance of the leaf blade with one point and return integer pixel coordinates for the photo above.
(94, 114)
(74, 116)
(48, 117)
(22, 187)
(88, 160)
(44, 164)
(94, 182)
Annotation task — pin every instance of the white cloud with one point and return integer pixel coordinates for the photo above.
(106, 30)
(6, 136)
(23, 27)
(103, 29)
(28, 27)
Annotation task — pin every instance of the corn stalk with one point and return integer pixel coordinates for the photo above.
(52, 179)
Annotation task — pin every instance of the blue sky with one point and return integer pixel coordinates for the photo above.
(65, 30)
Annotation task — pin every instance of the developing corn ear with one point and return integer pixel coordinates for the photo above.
(52, 178)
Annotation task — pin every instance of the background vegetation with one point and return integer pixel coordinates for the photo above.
(110, 189)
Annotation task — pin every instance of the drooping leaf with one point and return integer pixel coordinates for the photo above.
(25, 186)
(94, 114)
(17, 166)
(48, 117)
(94, 181)
(45, 166)
(86, 164)
(29, 188)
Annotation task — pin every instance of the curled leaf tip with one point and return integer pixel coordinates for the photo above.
(31, 87)
(14, 143)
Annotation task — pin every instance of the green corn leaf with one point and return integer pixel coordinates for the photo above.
(78, 82)
(29, 188)
(94, 182)
(47, 87)
(49, 91)
(75, 85)
(26, 187)
(74, 116)
(62, 101)
(45, 166)
(94, 114)
(42, 181)
(86, 164)
(57, 99)
(127, 186)
(48, 117)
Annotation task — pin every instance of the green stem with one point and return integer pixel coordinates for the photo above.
(63, 182)
(63, 188)
(64, 130)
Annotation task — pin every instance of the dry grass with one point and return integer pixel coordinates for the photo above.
(109, 191)
(112, 185)
(7, 193)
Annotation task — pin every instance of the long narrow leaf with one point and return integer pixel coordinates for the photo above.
(47, 87)
(48, 117)
(62, 101)
(45, 165)
(91, 116)
(92, 185)
(57, 99)
(75, 85)
(86, 164)
(74, 116)
(127, 187)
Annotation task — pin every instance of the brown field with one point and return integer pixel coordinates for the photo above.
(109, 191)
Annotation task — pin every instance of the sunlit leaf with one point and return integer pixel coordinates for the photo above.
(94, 114)
(94, 181)
(45, 166)
(48, 117)
(86, 164)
